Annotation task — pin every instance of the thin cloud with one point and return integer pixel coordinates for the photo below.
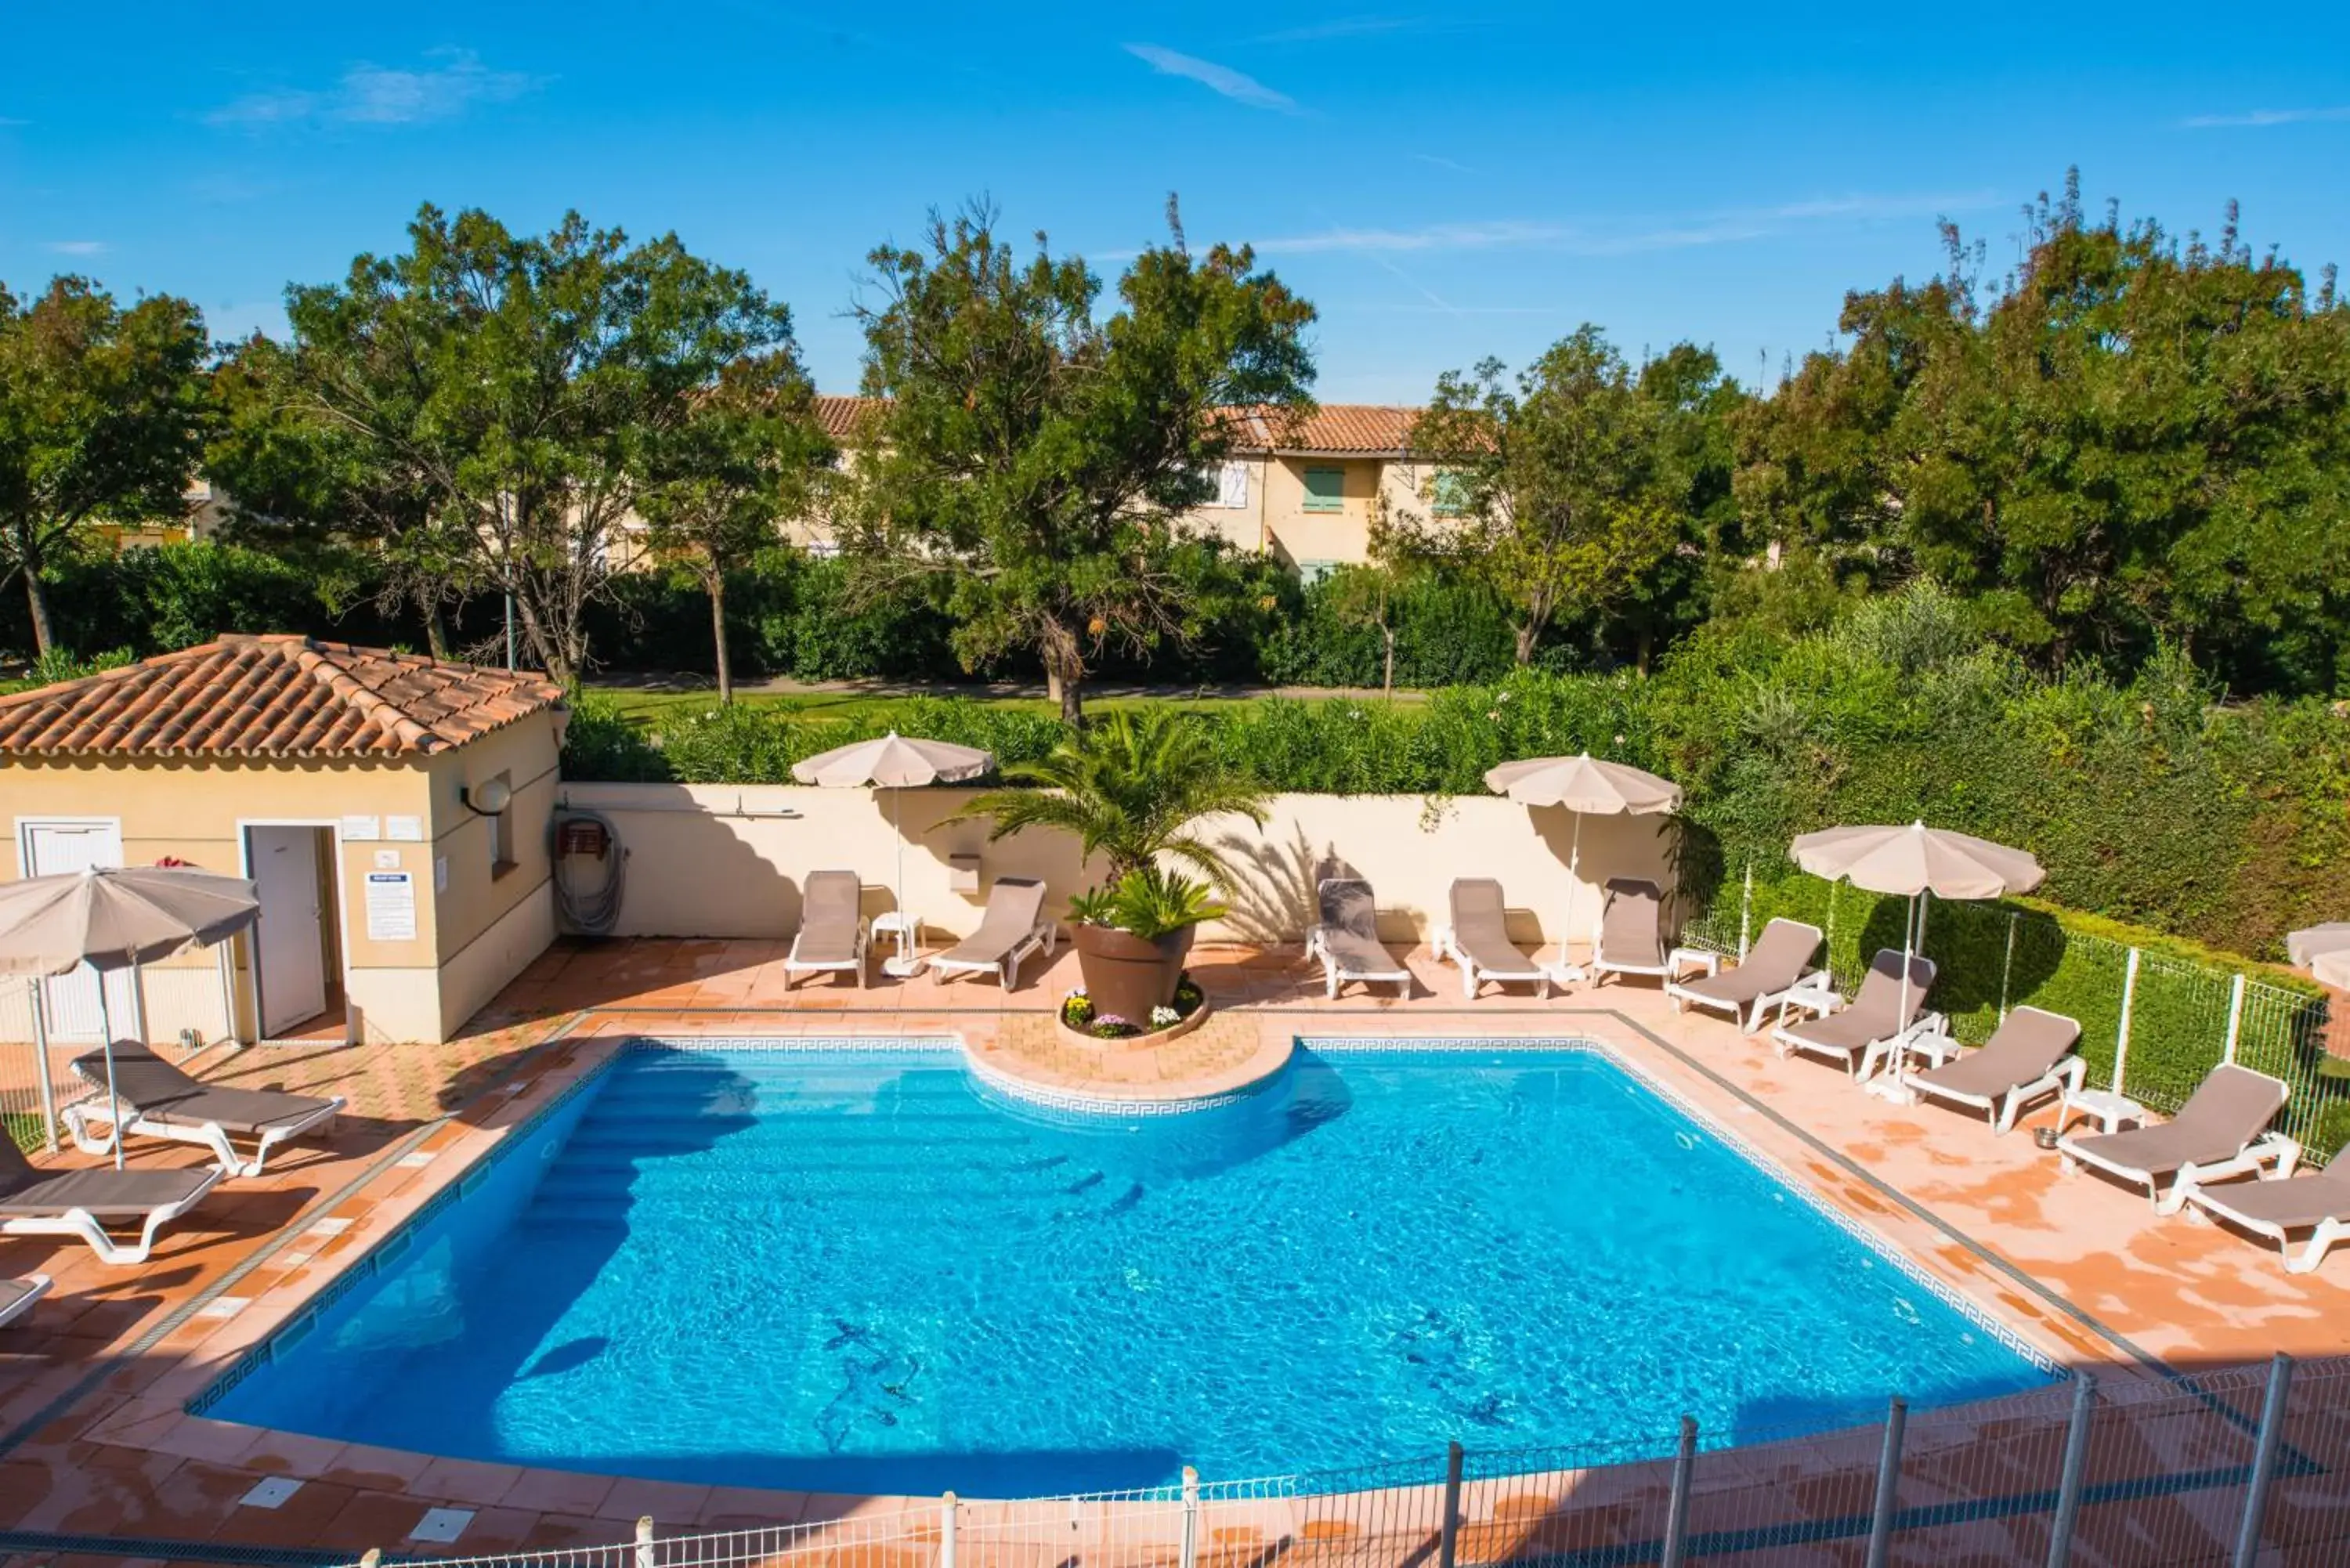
(1338, 28)
(374, 95)
(2260, 117)
(1433, 161)
(1234, 85)
(1618, 238)
(76, 247)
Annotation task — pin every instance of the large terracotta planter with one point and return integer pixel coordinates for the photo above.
(1128, 976)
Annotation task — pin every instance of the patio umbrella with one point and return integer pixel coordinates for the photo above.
(2323, 951)
(1913, 862)
(1587, 786)
(111, 919)
(894, 762)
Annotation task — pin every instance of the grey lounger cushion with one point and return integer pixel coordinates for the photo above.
(1350, 931)
(26, 1192)
(1631, 924)
(2024, 1050)
(162, 1094)
(2227, 1111)
(1015, 906)
(1876, 1014)
(2311, 1198)
(1481, 929)
(828, 907)
(1777, 960)
(14, 1294)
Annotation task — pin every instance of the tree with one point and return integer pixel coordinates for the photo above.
(1038, 457)
(295, 479)
(1130, 790)
(747, 459)
(1552, 491)
(522, 378)
(101, 420)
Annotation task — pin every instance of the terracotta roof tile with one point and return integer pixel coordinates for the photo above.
(1332, 427)
(272, 697)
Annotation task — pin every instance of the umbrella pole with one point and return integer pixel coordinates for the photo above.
(106, 1034)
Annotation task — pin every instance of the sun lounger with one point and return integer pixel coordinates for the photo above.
(1346, 939)
(2220, 1132)
(2317, 1201)
(832, 935)
(1776, 964)
(160, 1101)
(2030, 1055)
(1014, 926)
(92, 1204)
(17, 1296)
(1631, 936)
(1877, 1025)
(1477, 939)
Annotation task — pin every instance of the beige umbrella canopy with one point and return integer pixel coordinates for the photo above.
(1917, 859)
(2323, 951)
(116, 918)
(1587, 786)
(893, 763)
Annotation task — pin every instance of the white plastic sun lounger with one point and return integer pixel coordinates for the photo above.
(2315, 1201)
(1632, 935)
(832, 937)
(1014, 926)
(1346, 939)
(1778, 962)
(160, 1101)
(17, 1296)
(1477, 937)
(2220, 1132)
(2029, 1055)
(91, 1204)
(1877, 1027)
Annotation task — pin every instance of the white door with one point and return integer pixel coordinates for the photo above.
(52, 848)
(293, 961)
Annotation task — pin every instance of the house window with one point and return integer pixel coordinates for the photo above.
(1448, 493)
(1326, 490)
(1230, 481)
(1312, 572)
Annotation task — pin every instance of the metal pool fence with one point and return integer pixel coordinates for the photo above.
(2152, 1026)
(2222, 1468)
(35, 1080)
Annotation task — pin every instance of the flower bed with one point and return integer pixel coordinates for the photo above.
(1081, 1023)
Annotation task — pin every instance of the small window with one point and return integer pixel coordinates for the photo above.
(1448, 493)
(1312, 572)
(1326, 490)
(1232, 482)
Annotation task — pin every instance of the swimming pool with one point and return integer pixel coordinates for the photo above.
(863, 1269)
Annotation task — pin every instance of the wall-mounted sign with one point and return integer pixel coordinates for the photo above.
(361, 829)
(406, 829)
(390, 907)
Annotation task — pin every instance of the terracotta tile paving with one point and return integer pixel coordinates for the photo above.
(94, 1436)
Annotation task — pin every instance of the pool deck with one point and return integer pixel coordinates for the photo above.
(94, 1440)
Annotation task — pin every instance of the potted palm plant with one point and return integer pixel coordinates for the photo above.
(1132, 789)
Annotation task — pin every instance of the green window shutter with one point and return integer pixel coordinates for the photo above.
(1326, 490)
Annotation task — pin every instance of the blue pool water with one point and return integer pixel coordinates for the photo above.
(868, 1272)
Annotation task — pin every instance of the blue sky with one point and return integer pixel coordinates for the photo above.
(1444, 183)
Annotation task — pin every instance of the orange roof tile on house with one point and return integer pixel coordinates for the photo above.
(272, 697)
(1363, 428)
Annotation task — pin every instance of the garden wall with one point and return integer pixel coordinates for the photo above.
(726, 860)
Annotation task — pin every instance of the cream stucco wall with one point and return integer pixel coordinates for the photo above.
(729, 861)
(471, 936)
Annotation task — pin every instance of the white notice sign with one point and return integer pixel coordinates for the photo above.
(390, 907)
(407, 829)
(361, 829)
